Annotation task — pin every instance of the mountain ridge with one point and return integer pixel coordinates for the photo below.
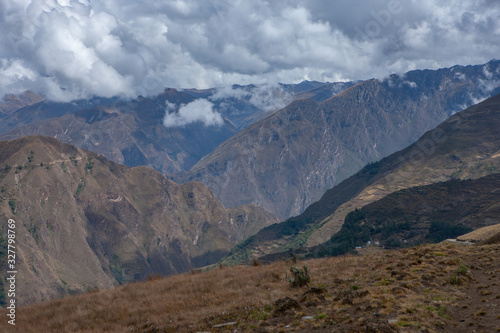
(286, 161)
(85, 222)
(132, 132)
(464, 146)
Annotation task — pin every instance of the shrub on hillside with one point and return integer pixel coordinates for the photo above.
(300, 277)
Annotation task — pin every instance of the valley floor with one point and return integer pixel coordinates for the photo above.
(430, 288)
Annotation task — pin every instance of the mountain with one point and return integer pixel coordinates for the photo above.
(130, 133)
(420, 214)
(11, 103)
(133, 132)
(286, 161)
(244, 105)
(83, 222)
(466, 146)
(29, 108)
(126, 132)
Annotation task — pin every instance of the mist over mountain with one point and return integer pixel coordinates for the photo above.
(288, 160)
(170, 132)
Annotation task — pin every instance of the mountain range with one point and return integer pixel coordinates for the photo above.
(133, 132)
(466, 146)
(86, 221)
(130, 133)
(245, 149)
(287, 161)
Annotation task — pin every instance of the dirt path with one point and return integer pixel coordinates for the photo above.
(480, 310)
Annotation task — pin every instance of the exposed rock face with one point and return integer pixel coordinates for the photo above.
(288, 160)
(84, 222)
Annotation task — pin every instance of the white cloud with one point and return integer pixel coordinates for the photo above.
(15, 75)
(72, 49)
(266, 97)
(270, 98)
(200, 110)
(411, 84)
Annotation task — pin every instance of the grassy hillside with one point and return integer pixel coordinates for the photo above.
(431, 288)
(420, 214)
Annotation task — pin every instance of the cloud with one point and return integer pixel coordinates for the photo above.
(200, 110)
(68, 49)
(266, 97)
(411, 84)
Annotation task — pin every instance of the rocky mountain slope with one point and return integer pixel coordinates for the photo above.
(130, 133)
(434, 288)
(83, 222)
(289, 159)
(465, 146)
(133, 132)
(11, 103)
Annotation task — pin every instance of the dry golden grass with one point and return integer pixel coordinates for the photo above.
(409, 290)
(481, 234)
(173, 303)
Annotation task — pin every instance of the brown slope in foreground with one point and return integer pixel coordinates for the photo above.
(465, 146)
(431, 288)
(84, 222)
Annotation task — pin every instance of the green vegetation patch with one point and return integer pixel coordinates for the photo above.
(12, 205)
(116, 269)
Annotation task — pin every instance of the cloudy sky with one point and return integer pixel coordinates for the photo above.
(73, 49)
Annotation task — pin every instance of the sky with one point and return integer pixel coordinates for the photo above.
(69, 50)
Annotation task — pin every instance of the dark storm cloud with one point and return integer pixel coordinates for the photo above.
(72, 49)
